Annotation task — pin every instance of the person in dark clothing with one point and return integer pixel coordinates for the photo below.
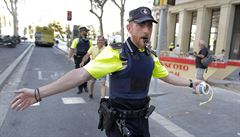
(200, 68)
(81, 46)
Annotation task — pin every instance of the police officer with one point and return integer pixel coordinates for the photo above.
(132, 65)
(81, 45)
(171, 46)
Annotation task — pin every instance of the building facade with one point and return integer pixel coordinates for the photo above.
(214, 21)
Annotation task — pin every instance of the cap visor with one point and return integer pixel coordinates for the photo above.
(144, 20)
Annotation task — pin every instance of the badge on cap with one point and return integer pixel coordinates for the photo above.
(145, 11)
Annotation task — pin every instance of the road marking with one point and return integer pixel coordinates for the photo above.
(170, 126)
(40, 77)
(73, 100)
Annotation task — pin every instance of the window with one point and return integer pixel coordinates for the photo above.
(176, 29)
(235, 43)
(213, 30)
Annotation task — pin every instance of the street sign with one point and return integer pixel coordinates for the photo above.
(69, 15)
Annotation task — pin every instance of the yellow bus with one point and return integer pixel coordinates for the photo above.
(44, 36)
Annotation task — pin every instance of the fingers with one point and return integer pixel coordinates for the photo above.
(26, 105)
(24, 98)
(22, 104)
(15, 100)
(18, 103)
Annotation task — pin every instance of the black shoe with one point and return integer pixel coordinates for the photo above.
(86, 90)
(91, 96)
(79, 92)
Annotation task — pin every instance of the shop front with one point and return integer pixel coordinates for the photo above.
(216, 22)
(185, 67)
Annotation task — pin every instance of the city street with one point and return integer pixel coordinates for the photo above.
(68, 114)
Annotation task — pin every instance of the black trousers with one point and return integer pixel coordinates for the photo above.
(77, 61)
(139, 127)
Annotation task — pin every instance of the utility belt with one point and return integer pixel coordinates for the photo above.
(109, 116)
(79, 55)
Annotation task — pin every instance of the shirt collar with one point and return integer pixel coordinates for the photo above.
(134, 47)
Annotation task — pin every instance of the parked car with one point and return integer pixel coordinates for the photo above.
(9, 41)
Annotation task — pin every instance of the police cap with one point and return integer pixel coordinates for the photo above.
(83, 29)
(141, 15)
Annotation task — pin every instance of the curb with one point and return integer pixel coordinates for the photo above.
(224, 82)
(227, 84)
(61, 50)
(8, 71)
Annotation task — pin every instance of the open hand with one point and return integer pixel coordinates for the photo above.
(24, 98)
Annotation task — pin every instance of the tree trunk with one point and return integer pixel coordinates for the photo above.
(101, 26)
(15, 24)
(122, 24)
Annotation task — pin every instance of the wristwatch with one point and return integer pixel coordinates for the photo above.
(191, 83)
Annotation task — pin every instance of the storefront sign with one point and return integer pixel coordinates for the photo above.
(176, 69)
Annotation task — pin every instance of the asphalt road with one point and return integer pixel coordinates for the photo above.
(8, 55)
(67, 114)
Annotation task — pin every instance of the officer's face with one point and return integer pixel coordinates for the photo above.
(83, 33)
(140, 32)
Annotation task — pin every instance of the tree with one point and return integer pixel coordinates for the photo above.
(92, 32)
(121, 6)
(97, 9)
(30, 31)
(12, 8)
(57, 28)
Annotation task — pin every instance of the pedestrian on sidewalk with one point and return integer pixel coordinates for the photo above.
(81, 46)
(92, 53)
(131, 65)
(203, 52)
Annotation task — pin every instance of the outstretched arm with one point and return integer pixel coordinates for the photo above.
(179, 81)
(26, 97)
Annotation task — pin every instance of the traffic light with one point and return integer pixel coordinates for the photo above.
(163, 2)
(156, 2)
(171, 2)
(69, 15)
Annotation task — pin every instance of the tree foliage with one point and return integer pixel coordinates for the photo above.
(55, 25)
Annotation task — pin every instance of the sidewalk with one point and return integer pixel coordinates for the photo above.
(62, 46)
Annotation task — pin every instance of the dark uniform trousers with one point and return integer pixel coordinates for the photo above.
(77, 61)
(139, 127)
(134, 124)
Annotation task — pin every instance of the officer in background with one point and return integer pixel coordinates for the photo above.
(81, 46)
(131, 65)
(171, 46)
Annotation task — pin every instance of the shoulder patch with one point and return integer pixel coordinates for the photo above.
(116, 45)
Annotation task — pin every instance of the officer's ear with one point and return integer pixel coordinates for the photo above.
(129, 27)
